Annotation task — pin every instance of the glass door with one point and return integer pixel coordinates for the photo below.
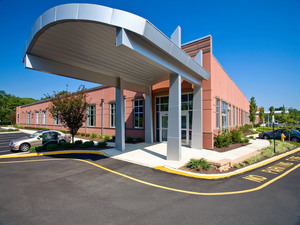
(163, 126)
(184, 127)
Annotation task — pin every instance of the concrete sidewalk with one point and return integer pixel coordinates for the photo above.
(153, 155)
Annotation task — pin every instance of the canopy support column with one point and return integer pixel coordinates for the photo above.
(197, 129)
(148, 117)
(120, 123)
(174, 119)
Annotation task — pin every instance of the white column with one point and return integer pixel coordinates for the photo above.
(197, 127)
(120, 125)
(174, 119)
(148, 117)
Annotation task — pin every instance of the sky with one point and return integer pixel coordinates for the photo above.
(256, 42)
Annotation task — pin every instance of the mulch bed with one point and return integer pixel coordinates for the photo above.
(230, 147)
(213, 170)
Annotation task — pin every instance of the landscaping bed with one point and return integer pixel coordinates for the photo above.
(201, 165)
(78, 145)
(230, 147)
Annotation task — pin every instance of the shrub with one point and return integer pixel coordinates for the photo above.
(82, 134)
(51, 147)
(94, 135)
(102, 144)
(113, 138)
(129, 139)
(100, 136)
(139, 139)
(236, 136)
(245, 140)
(87, 144)
(78, 133)
(237, 166)
(87, 135)
(78, 142)
(222, 140)
(67, 145)
(106, 137)
(199, 164)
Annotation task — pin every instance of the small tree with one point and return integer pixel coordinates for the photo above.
(272, 112)
(70, 108)
(253, 110)
(283, 115)
(261, 113)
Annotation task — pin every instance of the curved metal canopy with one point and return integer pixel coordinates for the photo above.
(101, 44)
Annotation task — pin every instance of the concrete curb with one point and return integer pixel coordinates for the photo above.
(224, 175)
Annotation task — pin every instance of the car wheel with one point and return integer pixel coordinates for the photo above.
(266, 137)
(295, 139)
(24, 147)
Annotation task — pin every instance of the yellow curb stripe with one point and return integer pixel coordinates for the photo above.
(213, 177)
(174, 189)
(52, 153)
(30, 160)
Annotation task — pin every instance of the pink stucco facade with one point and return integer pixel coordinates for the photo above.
(220, 88)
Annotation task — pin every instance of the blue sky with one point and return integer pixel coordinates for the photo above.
(256, 42)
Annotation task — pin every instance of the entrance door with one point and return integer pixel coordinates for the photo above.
(163, 127)
(185, 127)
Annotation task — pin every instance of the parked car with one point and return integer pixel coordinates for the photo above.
(271, 124)
(39, 138)
(294, 135)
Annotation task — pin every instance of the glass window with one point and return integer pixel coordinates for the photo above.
(56, 119)
(229, 115)
(44, 117)
(217, 113)
(36, 117)
(92, 116)
(233, 115)
(138, 113)
(224, 115)
(237, 116)
(28, 117)
(112, 114)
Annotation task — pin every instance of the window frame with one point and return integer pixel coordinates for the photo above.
(138, 113)
(91, 117)
(224, 115)
(217, 113)
(112, 116)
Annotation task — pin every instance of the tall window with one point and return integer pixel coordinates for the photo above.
(224, 115)
(112, 114)
(237, 116)
(218, 113)
(139, 113)
(246, 118)
(18, 119)
(56, 119)
(36, 117)
(92, 116)
(44, 117)
(229, 115)
(28, 117)
(233, 115)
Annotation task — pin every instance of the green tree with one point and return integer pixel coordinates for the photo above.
(283, 115)
(261, 114)
(8, 104)
(272, 112)
(70, 108)
(253, 110)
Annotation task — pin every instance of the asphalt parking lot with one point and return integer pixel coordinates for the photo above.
(5, 138)
(92, 189)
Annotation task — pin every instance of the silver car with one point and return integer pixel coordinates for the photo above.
(39, 138)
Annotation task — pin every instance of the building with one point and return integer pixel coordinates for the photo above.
(170, 92)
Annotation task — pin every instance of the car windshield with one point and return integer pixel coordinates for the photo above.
(35, 134)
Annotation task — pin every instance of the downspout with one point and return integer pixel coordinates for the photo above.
(102, 104)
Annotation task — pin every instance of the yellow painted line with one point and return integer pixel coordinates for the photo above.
(52, 153)
(214, 177)
(31, 160)
(179, 190)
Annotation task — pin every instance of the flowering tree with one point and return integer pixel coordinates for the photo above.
(70, 108)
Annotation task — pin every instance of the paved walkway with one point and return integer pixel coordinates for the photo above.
(153, 155)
